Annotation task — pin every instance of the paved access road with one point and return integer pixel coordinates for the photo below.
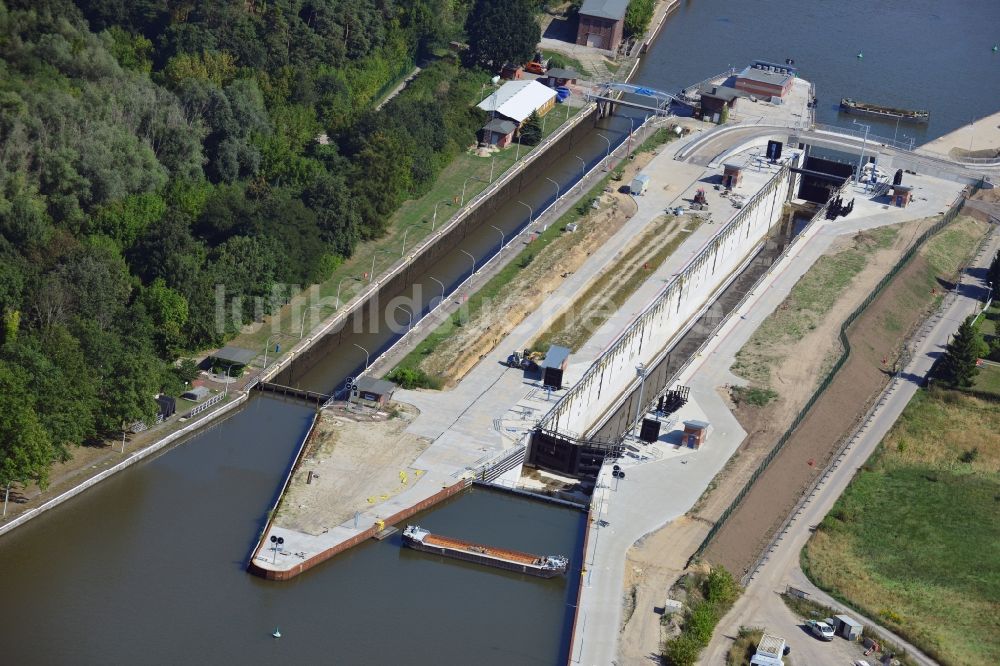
(760, 604)
(718, 144)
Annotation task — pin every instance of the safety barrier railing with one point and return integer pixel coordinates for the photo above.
(947, 218)
(551, 419)
(873, 139)
(214, 400)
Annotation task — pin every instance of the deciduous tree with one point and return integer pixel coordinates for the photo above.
(502, 31)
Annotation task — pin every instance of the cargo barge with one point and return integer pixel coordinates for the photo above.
(543, 566)
(849, 105)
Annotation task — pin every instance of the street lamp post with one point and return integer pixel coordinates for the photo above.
(434, 219)
(583, 169)
(341, 284)
(302, 323)
(367, 355)
(371, 275)
(631, 131)
(228, 368)
(441, 284)
(466, 183)
(864, 144)
(607, 156)
(493, 163)
(554, 183)
(470, 257)
(409, 324)
(531, 211)
(503, 238)
(402, 252)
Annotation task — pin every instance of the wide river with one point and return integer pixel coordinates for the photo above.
(147, 568)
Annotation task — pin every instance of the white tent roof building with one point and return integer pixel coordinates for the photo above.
(518, 99)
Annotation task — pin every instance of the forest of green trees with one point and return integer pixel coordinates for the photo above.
(152, 149)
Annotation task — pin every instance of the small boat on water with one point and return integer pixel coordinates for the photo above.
(543, 566)
(849, 105)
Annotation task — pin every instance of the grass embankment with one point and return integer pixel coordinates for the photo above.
(807, 304)
(558, 59)
(988, 380)
(445, 354)
(915, 541)
(612, 288)
(708, 597)
(989, 322)
(937, 263)
(412, 221)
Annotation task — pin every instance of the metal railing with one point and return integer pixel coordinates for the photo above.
(697, 86)
(865, 423)
(873, 139)
(551, 419)
(978, 161)
(214, 400)
(492, 469)
(947, 218)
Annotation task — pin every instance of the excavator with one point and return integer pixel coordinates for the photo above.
(526, 360)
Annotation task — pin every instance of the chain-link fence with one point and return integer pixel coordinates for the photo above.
(946, 219)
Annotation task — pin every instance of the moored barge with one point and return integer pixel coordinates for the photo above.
(543, 566)
(849, 105)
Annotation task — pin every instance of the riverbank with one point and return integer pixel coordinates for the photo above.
(95, 464)
(979, 139)
(73, 480)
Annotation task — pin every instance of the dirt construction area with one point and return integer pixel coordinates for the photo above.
(789, 353)
(351, 462)
(876, 339)
(548, 266)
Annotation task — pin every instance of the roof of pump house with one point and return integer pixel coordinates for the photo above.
(517, 99)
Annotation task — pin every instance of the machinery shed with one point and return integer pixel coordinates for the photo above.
(556, 359)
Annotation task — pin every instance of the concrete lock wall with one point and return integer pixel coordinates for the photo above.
(681, 299)
(404, 280)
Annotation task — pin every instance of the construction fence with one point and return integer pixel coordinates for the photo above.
(945, 220)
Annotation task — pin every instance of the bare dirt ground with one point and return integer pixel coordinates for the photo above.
(355, 460)
(455, 357)
(983, 136)
(794, 368)
(651, 568)
(876, 339)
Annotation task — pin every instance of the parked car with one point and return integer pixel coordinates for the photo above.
(821, 630)
(535, 67)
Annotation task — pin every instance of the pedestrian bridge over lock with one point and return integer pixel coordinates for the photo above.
(610, 94)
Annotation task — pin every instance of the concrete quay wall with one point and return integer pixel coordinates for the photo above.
(615, 371)
(210, 417)
(360, 537)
